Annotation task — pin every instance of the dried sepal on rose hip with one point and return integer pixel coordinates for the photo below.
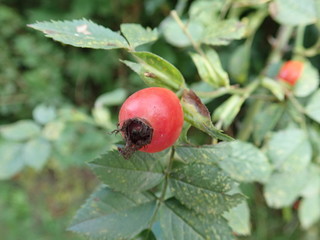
(150, 120)
(290, 72)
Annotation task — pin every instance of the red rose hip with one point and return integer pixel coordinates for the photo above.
(150, 120)
(290, 72)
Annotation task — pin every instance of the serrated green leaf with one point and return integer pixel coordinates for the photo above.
(266, 120)
(223, 32)
(20, 131)
(242, 161)
(11, 161)
(142, 172)
(239, 219)
(36, 152)
(157, 72)
(309, 211)
(274, 87)
(210, 69)
(289, 150)
(203, 188)
(284, 188)
(136, 35)
(180, 223)
(313, 107)
(81, 33)
(308, 82)
(294, 12)
(228, 110)
(197, 114)
(110, 215)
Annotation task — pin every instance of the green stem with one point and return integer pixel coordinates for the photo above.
(298, 45)
(283, 36)
(220, 92)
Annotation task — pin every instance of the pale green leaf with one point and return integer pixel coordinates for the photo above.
(203, 188)
(142, 172)
(20, 131)
(313, 107)
(115, 97)
(312, 187)
(36, 152)
(156, 71)
(174, 34)
(289, 150)
(239, 219)
(179, 223)
(81, 33)
(11, 161)
(242, 161)
(210, 69)
(110, 215)
(223, 32)
(136, 35)
(309, 211)
(308, 82)
(294, 12)
(284, 188)
(44, 113)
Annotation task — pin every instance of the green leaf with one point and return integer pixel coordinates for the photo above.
(136, 35)
(210, 69)
(109, 215)
(312, 187)
(266, 120)
(223, 32)
(289, 150)
(309, 211)
(20, 131)
(283, 189)
(313, 107)
(294, 12)
(228, 110)
(142, 172)
(239, 219)
(81, 33)
(174, 34)
(179, 223)
(242, 161)
(203, 188)
(36, 152)
(11, 161)
(274, 87)
(197, 114)
(240, 62)
(308, 82)
(156, 71)
(113, 98)
(44, 113)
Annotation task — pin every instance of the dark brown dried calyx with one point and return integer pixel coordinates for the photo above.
(137, 133)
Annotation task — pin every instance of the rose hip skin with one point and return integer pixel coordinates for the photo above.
(290, 72)
(158, 107)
